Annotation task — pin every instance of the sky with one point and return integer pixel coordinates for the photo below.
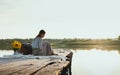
(95, 19)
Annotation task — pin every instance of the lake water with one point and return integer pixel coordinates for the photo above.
(6, 52)
(96, 62)
(91, 62)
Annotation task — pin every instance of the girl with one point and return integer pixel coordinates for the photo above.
(40, 47)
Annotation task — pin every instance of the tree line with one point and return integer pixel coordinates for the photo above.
(5, 44)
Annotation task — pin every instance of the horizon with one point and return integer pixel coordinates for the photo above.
(60, 19)
(65, 38)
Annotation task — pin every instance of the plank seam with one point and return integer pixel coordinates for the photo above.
(43, 67)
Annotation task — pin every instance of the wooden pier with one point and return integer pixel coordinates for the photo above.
(37, 65)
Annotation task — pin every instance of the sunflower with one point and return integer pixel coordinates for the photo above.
(16, 45)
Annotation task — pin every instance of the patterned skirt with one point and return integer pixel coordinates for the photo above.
(46, 51)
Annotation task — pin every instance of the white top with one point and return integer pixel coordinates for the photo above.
(37, 43)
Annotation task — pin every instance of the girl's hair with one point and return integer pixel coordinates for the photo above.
(41, 32)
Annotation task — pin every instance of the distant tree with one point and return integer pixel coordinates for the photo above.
(119, 37)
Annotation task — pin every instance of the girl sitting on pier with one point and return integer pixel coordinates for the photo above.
(40, 47)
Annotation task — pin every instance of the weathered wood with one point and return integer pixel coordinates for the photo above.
(64, 53)
(53, 69)
(8, 60)
(17, 63)
(17, 66)
(43, 65)
(69, 58)
(34, 68)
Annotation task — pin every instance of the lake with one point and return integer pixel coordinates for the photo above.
(91, 62)
(96, 62)
(6, 52)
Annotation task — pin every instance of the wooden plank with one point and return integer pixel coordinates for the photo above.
(33, 69)
(9, 60)
(1, 64)
(18, 66)
(53, 69)
(44, 66)
(64, 54)
(69, 55)
(17, 63)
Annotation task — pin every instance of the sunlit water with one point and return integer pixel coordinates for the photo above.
(91, 62)
(5, 52)
(96, 62)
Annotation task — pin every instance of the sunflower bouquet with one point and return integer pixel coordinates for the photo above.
(16, 45)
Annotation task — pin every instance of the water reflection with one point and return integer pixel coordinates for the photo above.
(96, 62)
(5, 52)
